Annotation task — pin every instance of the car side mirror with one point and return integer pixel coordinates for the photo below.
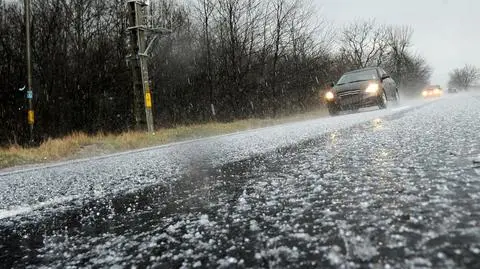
(332, 84)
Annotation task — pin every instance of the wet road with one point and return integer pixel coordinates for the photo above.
(398, 188)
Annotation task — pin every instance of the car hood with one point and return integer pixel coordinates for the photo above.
(361, 85)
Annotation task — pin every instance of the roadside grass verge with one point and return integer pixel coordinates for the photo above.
(80, 145)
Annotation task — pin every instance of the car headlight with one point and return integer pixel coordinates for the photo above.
(372, 88)
(329, 96)
(425, 93)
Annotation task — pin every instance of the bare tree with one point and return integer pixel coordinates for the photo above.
(307, 48)
(399, 42)
(206, 10)
(399, 38)
(464, 77)
(417, 73)
(365, 43)
(283, 9)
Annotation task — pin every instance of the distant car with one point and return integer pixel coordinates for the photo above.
(361, 88)
(432, 91)
(452, 90)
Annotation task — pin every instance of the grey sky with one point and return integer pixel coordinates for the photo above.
(446, 32)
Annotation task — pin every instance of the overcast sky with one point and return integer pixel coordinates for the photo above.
(446, 32)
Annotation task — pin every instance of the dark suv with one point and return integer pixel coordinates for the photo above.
(361, 88)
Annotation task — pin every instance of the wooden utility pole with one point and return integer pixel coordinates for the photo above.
(30, 113)
(142, 103)
(138, 61)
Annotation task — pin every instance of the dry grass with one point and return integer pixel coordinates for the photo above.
(79, 145)
(52, 149)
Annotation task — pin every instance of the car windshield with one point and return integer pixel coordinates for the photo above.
(358, 76)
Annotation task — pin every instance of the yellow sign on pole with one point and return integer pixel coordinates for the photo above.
(148, 100)
(31, 117)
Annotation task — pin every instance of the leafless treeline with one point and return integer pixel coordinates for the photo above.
(226, 59)
(80, 81)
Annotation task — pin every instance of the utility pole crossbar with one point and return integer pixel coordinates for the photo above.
(138, 27)
(139, 2)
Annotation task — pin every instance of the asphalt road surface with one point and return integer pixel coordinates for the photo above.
(395, 188)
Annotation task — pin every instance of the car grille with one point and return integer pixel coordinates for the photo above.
(348, 93)
(350, 97)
